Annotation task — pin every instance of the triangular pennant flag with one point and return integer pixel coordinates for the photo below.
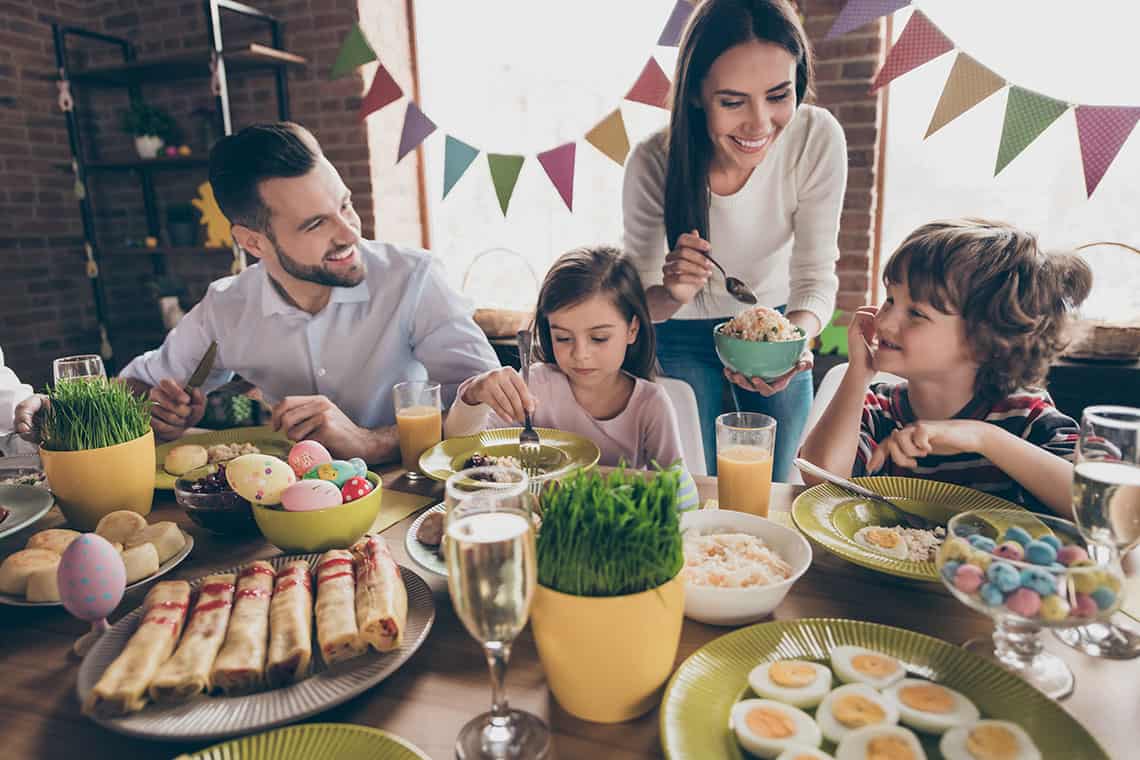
(859, 12)
(354, 51)
(1102, 131)
(417, 126)
(559, 165)
(383, 91)
(1027, 114)
(652, 86)
(457, 156)
(969, 83)
(609, 136)
(920, 41)
(504, 174)
(671, 34)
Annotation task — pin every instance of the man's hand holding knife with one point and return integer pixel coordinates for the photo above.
(177, 407)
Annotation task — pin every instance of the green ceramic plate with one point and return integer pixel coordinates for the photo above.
(314, 740)
(697, 702)
(561, 452)
(264, 438)
(831, 516)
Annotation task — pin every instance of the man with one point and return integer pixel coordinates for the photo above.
(326, 323)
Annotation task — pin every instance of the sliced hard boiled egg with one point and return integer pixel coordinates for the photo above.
(852, 707)
(882, 540)
(880, 743)
(930, 707)
(801, 752)
(988, 740)
(858, 665)
(793, 682)
(766, 728)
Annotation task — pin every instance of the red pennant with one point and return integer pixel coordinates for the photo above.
(652, 86)
(1102, 131)
(920, 41)
(383, 91)
(559, 165)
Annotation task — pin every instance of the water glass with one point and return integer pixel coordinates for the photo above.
(82, 367)
(419, 421)
(744, 445)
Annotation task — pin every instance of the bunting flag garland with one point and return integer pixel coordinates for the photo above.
(559, 166)
(859, 12)
(383, 91)
(417, 126)
(675, 26)
(457, 156)
(1027, 115)
(609, 136)
(652, 86)
(969, 83)
(354, 51)
(1102, 131)
(920, 42)
(504, 174)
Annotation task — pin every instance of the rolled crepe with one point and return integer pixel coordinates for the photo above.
(122, 687)
(188, 672)
(290, 625)
(381, 598)
(337, 633)
(240, 665)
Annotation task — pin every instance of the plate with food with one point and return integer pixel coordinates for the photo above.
(424, 540)
(192, 456)
(148, 550)
(857, 690)
(246, 655)
(869, 534)
(561, 453)
(22, 505)
(314, 740)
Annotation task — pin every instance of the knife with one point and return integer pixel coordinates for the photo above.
(202, 371)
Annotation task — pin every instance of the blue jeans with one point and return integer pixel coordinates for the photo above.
(685, 350)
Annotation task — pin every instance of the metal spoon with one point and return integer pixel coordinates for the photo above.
(911, 520)
(735, 286)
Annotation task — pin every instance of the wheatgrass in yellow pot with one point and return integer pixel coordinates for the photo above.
(610, 600)
(97, 450)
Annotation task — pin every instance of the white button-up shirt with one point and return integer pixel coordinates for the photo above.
(402, 322)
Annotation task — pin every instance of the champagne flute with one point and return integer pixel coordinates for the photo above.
(492, 572)
(1106, 503)
(86, 366)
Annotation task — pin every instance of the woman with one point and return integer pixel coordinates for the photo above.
(748, 174)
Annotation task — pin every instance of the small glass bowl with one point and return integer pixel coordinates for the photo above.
(222, 512)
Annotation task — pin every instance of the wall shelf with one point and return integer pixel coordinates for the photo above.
(253, 58)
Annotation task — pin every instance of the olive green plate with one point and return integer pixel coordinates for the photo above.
(561, 452)
(263, 437)
(700, 695)
(830, 516)
(314, 740)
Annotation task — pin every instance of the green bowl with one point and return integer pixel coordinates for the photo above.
(756, 358)
(320, 529)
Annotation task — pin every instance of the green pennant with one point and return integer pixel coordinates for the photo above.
(354, 51)
(504, 173)
(457, 156)
(1027, 115)
(833, 338)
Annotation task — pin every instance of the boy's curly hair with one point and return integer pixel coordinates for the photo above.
(1014, 298)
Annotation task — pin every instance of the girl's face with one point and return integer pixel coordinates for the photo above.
(918, 342)
(590, 340)
(748, 97)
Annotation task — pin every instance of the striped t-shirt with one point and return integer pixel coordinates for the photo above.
(1027, 414)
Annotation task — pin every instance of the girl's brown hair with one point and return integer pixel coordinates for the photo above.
(1014, 298)
(714, 27)
(601, 270)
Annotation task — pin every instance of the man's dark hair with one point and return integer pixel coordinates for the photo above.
(240, 162)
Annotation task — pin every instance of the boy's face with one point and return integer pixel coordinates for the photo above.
(917, 341)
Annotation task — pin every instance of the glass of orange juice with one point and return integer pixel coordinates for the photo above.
(419, 421)
(744, 444)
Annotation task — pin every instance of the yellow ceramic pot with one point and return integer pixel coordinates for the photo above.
(89, 484)
(320, 529)
(607, 657)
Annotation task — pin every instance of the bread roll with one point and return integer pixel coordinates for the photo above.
(120, 525)
(17, 567)
(52, 539)
(182, 459)
(140, 562)
(165, 536)
(43, 586)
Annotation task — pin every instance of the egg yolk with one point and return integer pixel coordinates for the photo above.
(874, 665)
(791, 673)
(769, 723)
(854, 711)
(884, 538)
(927, 698)
(890, 748)
(992, 743)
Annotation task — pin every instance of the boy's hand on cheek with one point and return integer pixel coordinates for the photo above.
(907, 445)
(860, 338)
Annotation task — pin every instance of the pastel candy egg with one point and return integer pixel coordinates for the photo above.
(1004, 576)
(355, 488)
(337, 471)
(1084, 606)
(1067, 555)
(91, 577)
(307, 495)
(1018, 535)
(954, 548)
(306, 455)
(260, 478)
(1087, 581)
(984, 543)
(950, 568)
(981, 559)
(1104, 597)
(1025, 602)
(1038, 579)
(1052, 540)
(1054, 608)
(968, 578)
(359, 467)
(1010, 550)
(1040, 553)
(991, 595)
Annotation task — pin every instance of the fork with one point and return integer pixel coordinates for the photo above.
(529, 445)
(909, 518)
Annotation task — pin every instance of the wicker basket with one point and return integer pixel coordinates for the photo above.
(1094, 339)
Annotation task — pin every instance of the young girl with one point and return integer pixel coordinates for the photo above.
(973, 316)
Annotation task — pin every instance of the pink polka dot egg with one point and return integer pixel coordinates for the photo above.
(91, 577)
(305, 455)
(260, 478)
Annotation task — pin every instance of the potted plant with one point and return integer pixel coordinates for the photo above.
(610, 599)
(97, 450)
(151, 126)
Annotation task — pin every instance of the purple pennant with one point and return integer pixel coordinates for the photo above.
(671, 34)
(1102, 131)
(559, 165)
(417, 126)
(859, 12)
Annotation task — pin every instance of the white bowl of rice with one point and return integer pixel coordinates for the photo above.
(738, 567)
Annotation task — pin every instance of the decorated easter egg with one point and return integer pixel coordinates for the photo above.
(359, 466)
(91, 577)
(259, 478)
(306, 455)
(307, 495)
(337, 471)
(355, 488)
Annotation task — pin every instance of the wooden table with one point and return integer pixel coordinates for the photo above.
(445, 683)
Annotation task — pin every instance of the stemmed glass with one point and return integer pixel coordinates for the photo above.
(82, 367)
(1106, 503)
(492, 572)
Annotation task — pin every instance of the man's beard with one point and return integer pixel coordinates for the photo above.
(318, 274)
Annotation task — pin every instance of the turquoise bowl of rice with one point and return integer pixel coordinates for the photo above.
(759, 342)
